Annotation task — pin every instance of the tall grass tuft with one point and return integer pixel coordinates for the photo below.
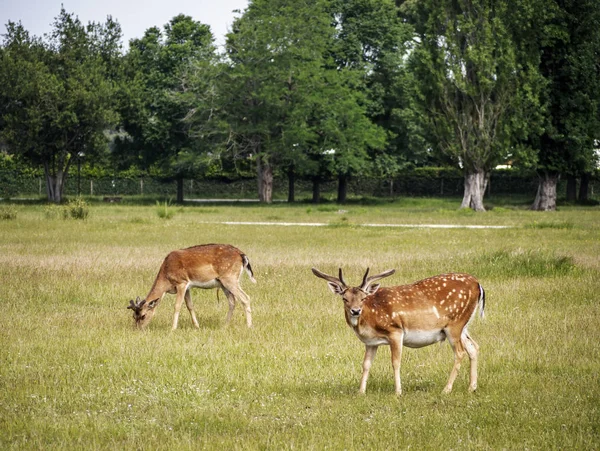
(77, 208)
(164, 210)
(8, 212)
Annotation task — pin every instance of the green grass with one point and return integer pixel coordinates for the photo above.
(75, 374)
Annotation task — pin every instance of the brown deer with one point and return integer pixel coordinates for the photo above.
(414, 315)
(205, 266)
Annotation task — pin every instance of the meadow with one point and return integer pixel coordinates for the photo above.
(76, 374)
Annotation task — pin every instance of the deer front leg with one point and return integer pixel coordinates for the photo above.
(396, 348)
(181, 290)
(370, 352)
(190, 306)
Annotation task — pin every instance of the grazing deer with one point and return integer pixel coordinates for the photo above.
(414, 315)
(206, 266)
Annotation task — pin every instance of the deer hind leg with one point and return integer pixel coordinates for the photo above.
(190, 307)
(370, 352)
(472, 349)
(459, 353)
(245, 300)
(231, 300)
(238, 294)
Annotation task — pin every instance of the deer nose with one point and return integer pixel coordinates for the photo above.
(355, 311)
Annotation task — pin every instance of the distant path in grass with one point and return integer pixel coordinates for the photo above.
(325, 224)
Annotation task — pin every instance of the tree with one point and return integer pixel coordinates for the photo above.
(344, 131)
(57, 96)
(371, 38)
(473, 87)
(151, 105)
(571, 66)
(275, 54)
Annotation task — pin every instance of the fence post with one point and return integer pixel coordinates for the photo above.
(142, 186)
(91, 187)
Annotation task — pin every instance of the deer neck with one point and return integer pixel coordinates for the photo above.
(159, 288)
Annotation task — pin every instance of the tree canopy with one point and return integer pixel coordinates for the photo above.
(315, 89)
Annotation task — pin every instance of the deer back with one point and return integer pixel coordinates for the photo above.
(428, 304)
(201, 264)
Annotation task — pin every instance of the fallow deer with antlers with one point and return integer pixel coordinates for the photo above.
(415, 315)
(205, 266)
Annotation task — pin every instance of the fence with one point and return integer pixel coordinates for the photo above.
(425, 182)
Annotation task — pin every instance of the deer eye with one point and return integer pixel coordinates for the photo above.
(345, 300)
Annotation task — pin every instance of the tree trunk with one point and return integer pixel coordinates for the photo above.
(545, 199)
(316, 191)
(475, 185)
(179, 189)
(571, 188)
(584, 187)
(291, 185)
(54, 184)
(265, 181)
(342, 189)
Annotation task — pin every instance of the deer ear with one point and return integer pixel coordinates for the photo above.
(152, 304)
(336, 288)
(373, 288)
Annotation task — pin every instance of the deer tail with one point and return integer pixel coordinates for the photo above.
(481, 302)
(248, 268)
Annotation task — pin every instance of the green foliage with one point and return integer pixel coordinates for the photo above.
(569, 64)
(469, 80)
(319, 90)
(57, 95)
(155, 100)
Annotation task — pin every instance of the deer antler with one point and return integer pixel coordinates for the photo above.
(137, 305)
(342, 278)
(367, 281)
(340, 282)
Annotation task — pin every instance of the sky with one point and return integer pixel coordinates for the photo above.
(134, 16)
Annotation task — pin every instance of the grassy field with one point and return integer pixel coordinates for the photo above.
(75, 374)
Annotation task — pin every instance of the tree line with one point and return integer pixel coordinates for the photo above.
(315, 89)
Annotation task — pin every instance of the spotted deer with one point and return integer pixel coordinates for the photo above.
(205, 266)
(415, 315)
